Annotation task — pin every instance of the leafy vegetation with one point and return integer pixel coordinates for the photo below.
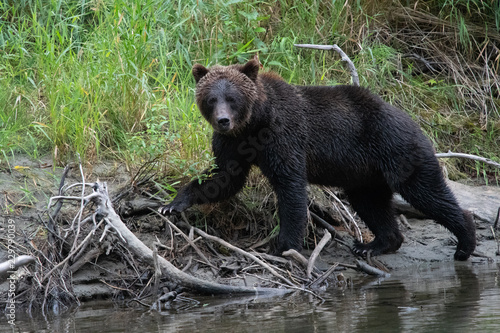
(111, 78)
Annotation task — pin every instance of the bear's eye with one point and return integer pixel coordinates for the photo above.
(230, 99)
(212, 101)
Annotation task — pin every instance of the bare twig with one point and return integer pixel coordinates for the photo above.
(426, 62)
(314, 255)
(496, 240)
(157, 274)
(82, 207)
(51, 226)
(244, 253)
(296, 256)
(189, 240)
(89, 256)
(12, 265)
(60, 192)
(270, 257)
(294, 287)
(357, 231)
(404, 221)
(370, 269)
(73, 252)
(372, 261)
(468, 156)
(330, 228)
(352, 68)
(348, 266)
(86, 199)
(323, 276)
(142, 252)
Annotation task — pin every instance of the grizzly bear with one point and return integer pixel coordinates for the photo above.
(341, 136)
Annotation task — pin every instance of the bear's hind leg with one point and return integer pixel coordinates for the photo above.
(374, 207)
(427, 191)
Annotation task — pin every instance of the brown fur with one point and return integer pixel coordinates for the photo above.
(335, 136)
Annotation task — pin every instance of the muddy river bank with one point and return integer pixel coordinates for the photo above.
(426, 289)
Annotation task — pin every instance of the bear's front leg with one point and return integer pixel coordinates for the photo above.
(292, 212)
(217, 185)
(182, 201)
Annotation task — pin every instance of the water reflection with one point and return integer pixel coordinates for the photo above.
(453, 297)
(443, 299)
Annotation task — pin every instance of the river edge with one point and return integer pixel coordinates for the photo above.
(27, 185)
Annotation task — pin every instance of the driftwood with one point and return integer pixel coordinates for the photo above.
(104, 210)
(314, 255)
(246, 254)
(10, 266)
(368, 269)
(190, 242)
(468, 156)
(293, 254)
(138, 206)
(315, 284)
(96, 230)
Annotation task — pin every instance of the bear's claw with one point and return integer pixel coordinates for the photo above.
(378, 246)
(177, 206)
(167, 210)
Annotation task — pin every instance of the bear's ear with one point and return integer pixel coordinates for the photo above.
(251, 69)
(199, 71)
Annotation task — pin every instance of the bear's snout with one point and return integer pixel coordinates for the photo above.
(222, 118)
(223, 122)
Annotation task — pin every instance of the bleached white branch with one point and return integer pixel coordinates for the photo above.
(335, 47)
(468, 156)
(314, 255)
(145, 254)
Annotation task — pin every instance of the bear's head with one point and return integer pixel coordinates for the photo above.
(226, 95)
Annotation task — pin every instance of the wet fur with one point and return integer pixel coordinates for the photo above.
(335, 136)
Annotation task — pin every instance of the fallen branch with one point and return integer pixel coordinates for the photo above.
(73, 252)
(138, 206)
(363, 266)
(352, 68)
(330, 228)
(468, 156)
(244, 253)
(357, 231)
(270, 257)
(88, 257)
(293, 254)
(190, 242)
(142, 252)
(314, 255)
(323, 276)
(10, 266)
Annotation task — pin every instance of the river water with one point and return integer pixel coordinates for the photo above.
(439, 297)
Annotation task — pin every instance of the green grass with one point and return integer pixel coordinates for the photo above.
(111, 78)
